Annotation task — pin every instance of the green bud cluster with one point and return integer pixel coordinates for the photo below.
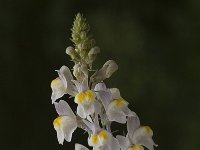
(84, 51)
(83, 41)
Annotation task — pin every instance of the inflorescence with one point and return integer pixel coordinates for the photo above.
(97, 105)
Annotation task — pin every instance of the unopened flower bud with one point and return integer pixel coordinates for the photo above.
(105, 72)
(95, 50)
(72, 53)
(92, 54)
(80, 71)
(70, 50)
(111, 67)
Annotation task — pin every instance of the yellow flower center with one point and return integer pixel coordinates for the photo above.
(89, 94)
(103, 135)
(118, 102)
(57, 121)
(83, 96)
(94, 138)
(80, 97)
(136, 147)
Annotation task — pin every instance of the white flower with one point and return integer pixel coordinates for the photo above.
(66, 123)
(86, 99)
(116, 107)
(100, 139)
(137, 136)
(62, 84)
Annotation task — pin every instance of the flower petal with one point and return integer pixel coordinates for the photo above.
(129, 113)
(143, 136)
(123, 142)
(80, 111)
(88, 109)
(68, 126)
(56, 95)
(63, 109)
(83, 86)
(78, 85)
(132, 124)
(115, 111)
(111, 143)
(66, 77)
(58, 89)
(64, 127)
(105, 97)
(91, 126)
(97, 107)
(100, 87)
(115, 93)
(103, 94)
(60, 135)
(116, 116)
(114, 144)
(80, 147)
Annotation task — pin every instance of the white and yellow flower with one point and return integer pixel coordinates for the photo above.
(86, 99)
(116, 107)
(100, 139)
(65, 123)
(137, 137)
(62, 84)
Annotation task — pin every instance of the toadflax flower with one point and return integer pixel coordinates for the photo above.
(137, 137)
(86, 99)
(62, 84)
(116, 107)
(66, 123)
(100, 139)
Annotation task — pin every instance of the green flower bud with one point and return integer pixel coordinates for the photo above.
(73, 54)
(92, 54)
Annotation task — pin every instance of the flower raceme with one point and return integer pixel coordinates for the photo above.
(97, 105)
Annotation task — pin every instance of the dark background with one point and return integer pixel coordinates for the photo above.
(155, 43)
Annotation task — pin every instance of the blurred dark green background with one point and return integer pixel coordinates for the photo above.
(155, 43)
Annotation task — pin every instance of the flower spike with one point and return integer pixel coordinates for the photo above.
(97, 105)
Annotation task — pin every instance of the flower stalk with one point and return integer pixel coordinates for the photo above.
(97, 105)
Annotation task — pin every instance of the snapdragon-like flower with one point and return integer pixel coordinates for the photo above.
(86, 99)
(116, 107)
(137, 137)
(62, 84)
(66, 123)
(101, 139)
